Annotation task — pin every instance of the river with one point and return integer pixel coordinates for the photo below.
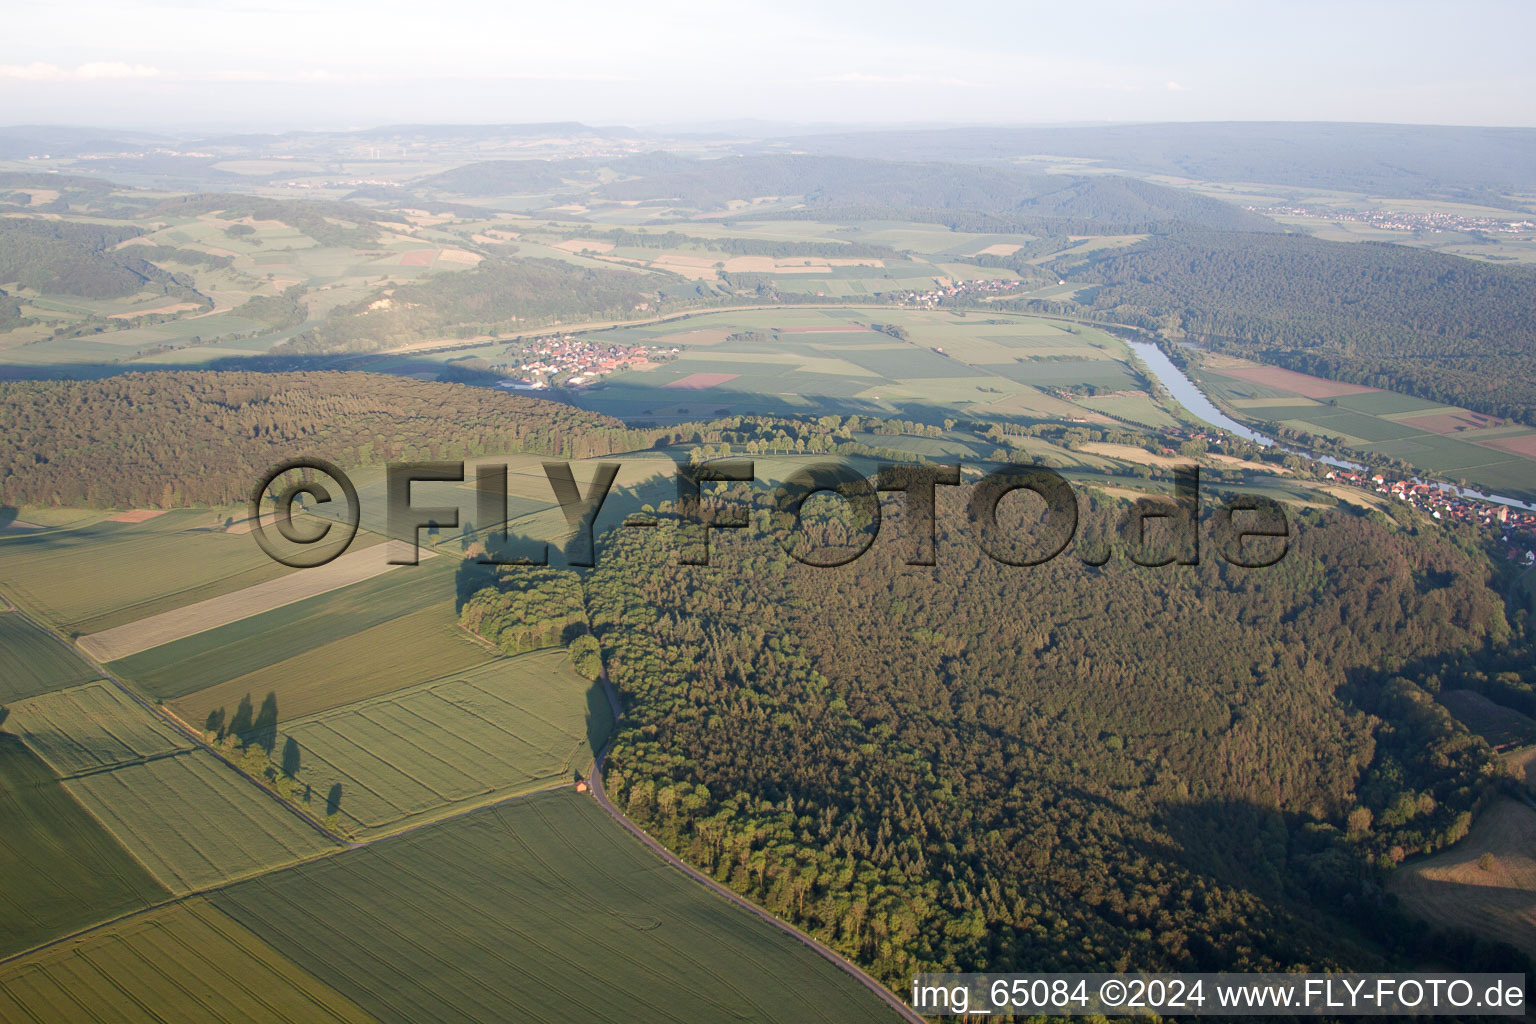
(1192, 398)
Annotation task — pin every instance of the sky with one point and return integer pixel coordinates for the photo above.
(279, 64)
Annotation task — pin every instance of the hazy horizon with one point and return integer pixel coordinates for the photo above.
(277, 64)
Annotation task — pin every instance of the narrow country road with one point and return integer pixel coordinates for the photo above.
(827, 952)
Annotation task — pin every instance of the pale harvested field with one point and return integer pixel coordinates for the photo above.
(770, 265)
(1297, 383)
(121, 641)
(701, 381)
(1000, 249)
(176, 307)
(1524, 445)
(245, 526)
(1130, 453)
(137, 515)
(458, 256)
(1518, 764)
(1354, 495)
(1451, 889)
(583, 245)
(1450, 422)
(1286, 401)
(701, 336)
(1233, 460)
(694, 268)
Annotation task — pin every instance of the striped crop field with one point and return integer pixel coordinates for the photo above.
(33, 662)
(92, 727)
(183, 962)
(212, 612)
(510, 726)
(536, 911)
(412, 648)
(194, 823)
(187, 817)
(103, 574)
(60, 871)
(240, 648)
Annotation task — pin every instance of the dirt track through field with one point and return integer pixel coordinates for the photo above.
(132, 637)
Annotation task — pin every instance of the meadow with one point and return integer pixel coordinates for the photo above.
(100, 574)
(510, 726)
(358, 564)
(32, 661)
(183, 814)
(241, 649)
(1443, 439)
(410, 648)
(194, 823)
(90, 728)
(582, 923)
(60, 871)
(182, 962)
(810, 360)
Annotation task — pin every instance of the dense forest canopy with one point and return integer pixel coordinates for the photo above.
(162, 440)
(831, 182)
(1452, 329)
(62, 257)
(976, 766)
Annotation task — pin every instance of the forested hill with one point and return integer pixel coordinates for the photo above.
(1446, 328)
(842, 182)
(1382, 159)
(160, 440)
(825, 183)
(982, 767)
(60, 257)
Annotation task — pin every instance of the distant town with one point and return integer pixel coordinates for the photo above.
(1400, 220)
(573, 362)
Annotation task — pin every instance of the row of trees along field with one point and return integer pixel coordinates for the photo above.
(976, 766)
(1443, 327)
(161, 440)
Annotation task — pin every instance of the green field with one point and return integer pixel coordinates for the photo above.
(194, 823)
(580, 923)
(104, 574)
(92, 727)
(832, 360)
(60, 871)
(183, 962)
(411, 648)
(1374, 423)
(34, 662)
(510, 726)
(181, 812)
(248, 646)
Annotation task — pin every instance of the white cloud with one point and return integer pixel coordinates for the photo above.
(858, 78)
(1176, 87)
(91, 71)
